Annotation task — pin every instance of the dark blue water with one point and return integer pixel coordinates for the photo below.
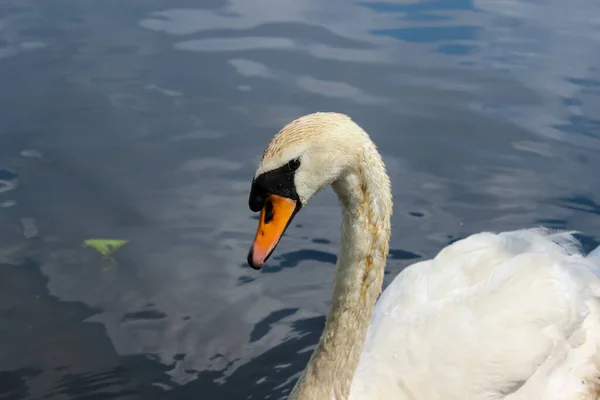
(145, 120)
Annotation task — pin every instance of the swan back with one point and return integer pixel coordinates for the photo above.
(514, 315)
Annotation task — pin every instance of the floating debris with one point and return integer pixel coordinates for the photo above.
(106, 247)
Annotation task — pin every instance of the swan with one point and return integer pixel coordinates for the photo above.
(512, 315)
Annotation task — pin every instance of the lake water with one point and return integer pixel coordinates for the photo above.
(145, 121)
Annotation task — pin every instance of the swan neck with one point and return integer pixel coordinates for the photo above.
(366, 203)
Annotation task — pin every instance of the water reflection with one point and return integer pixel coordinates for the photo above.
(148, 126)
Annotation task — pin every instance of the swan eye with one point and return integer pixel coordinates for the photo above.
(293, 164)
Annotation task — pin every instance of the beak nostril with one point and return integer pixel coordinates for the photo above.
(249, 259)
(268, 211)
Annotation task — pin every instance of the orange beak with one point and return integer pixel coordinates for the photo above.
(275, 216)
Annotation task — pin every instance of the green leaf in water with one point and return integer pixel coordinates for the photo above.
(106, 247)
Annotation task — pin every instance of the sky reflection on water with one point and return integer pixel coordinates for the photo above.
(146, 121)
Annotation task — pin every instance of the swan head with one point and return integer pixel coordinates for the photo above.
(307, 155)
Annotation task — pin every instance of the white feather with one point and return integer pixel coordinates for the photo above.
(514, 315)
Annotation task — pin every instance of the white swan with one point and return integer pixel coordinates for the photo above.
(512, 316)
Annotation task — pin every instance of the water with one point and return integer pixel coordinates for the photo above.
(145, 120)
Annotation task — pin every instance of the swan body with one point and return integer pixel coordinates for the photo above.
(513, 315)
